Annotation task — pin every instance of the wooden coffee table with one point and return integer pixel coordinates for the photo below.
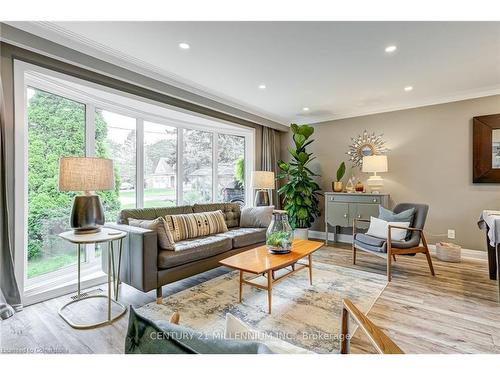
(259, 262)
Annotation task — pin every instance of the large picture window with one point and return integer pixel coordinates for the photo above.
(56, 127)
(161, 158)
(160, 165)
(116, 139)
(197, 158)
(230, 168)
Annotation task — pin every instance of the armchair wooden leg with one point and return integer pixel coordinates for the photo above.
(353, 254)
(159, 295)
(429, 260)
(427, 254)
(394, 257)
(389, 259)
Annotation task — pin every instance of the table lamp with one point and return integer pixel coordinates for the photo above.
(87, 175)
(262, 181)
(375, 164)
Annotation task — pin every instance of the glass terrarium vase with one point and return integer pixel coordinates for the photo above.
(279, 234)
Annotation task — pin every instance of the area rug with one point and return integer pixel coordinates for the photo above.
(304, 315)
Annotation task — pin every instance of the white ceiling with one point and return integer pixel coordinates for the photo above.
(337, 69)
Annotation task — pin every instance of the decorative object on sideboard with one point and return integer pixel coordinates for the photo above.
(350, 186)
(359, 187)
(375, 164)
(279, 234)
(485, 149)
(262, 181)
(448, 252)
(300, 192)
(366, 145)
(88, 175)
(337, 184)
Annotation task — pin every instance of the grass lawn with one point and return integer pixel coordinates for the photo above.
(40, 266)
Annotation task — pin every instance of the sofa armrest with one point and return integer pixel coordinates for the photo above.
(139, 266)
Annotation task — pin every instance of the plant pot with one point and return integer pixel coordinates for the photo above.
(301, 233)
(337, 186)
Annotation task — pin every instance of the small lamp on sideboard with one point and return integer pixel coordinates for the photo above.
(262, 181)
(375, 164)
(88, 175)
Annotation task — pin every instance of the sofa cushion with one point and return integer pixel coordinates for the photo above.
(375, 249)
(256, 217)
(370, 240)
(152, 213)
(379, 228)
(145, 336)
(195, 225)
(242, 237)
(231, 211)
(187, 251)
(403, 216)
(165, 237)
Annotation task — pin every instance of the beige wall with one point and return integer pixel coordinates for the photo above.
(430, 162)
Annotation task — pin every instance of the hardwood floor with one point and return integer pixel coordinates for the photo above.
(455, 312)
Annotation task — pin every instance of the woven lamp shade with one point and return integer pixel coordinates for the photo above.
(85, 174)
(262, 180)
(375, 163)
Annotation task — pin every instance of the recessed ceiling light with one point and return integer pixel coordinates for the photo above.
(262, 86)
(305, 109)
(390, 49)
(184, 46)
(408, 88)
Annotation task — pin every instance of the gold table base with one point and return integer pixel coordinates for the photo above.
(115, 282)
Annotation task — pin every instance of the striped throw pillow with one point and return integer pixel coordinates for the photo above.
(187, 226)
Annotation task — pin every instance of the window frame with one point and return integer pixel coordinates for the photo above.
(29, 75)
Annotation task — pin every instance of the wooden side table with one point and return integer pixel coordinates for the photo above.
(106, 235)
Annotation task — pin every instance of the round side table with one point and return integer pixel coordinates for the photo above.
(106, 235)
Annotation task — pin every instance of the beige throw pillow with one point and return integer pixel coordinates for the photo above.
(165, 237)
(187, 226)
(256, 217)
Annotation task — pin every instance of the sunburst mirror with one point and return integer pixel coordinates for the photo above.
(366, 144)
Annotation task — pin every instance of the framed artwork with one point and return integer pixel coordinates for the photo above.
(486, 149)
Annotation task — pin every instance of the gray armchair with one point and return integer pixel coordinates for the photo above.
(389, 248)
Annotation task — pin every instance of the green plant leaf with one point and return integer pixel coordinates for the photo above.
(341, 171)
(306, 130)
(299, 140)
(303, 157)
(302, 213)
(283, 166)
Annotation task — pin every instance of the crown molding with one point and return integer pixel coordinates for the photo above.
(69, 39)
(456, 97)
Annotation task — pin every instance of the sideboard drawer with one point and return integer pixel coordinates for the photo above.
(358, 198)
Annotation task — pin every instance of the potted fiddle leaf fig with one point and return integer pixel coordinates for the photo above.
(300, 191)
(337, 185)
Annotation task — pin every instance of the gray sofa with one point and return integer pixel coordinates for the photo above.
(146, 267)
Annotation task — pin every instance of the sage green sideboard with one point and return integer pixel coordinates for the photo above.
(342, 208)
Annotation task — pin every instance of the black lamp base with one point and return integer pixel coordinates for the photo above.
(87, 214)
(261, 198)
